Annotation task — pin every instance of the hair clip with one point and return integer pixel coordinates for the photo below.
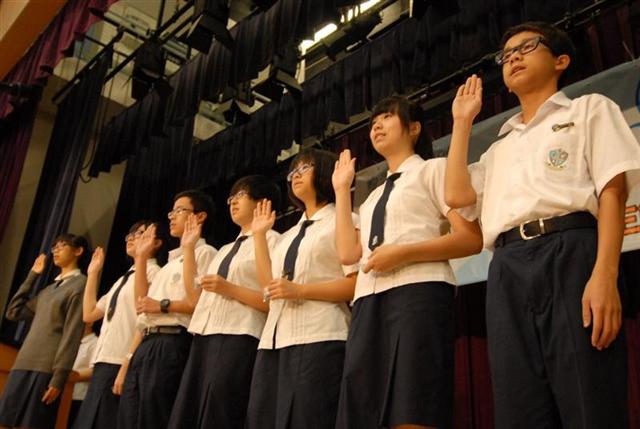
(558, 127)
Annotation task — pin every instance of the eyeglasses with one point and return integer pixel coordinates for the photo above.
(178, 211)
(523, 48)
(58, 246)
(301, 169)
(237, 196)
(132, 236)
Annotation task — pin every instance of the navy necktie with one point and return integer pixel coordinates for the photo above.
(57, 283)
(376, 236)
(289, 267)
(114, 298)
(223, 269)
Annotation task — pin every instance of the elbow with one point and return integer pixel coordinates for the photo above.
(350, 256)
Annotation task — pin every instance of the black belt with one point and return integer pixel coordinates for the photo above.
(166, 330)
(539, 227)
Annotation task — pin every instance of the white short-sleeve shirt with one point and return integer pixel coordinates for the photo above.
(168, 284)
(83, 361)
(556, 164)
(415, 212)
(116, 334)
(293, 322)
(219, 314)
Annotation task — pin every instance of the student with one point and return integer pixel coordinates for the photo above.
(227, 321)
(32, 394)
(399, 364)
(117, 310)
(157, 355)
(551, 194)
(82, 371)
(296, 377)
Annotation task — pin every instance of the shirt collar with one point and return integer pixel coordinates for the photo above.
(248, 234)
(324, 211)
(557, 99)
(177, 252)
(70, 274)
(407, 164)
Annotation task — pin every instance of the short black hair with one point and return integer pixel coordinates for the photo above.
(161, 234)
(557, 40)
(258, 187)
(408, 111)
(324, 163)
(201, 202)
(76, 241)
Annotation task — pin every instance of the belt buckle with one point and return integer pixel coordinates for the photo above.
(524, 236)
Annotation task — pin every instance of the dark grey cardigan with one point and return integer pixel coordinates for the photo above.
(56, 326)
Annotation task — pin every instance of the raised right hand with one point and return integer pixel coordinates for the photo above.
(145, 244)
(97, 261)
(468, 101)
(263, 217)
(344, 172)
(191, 233)
(39, 264)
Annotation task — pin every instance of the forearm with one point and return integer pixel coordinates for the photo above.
(457, 244)
(84, 374)
(263, 260)
(347, 237)
(247, 296)
(340, 290)
(141, 284)
(189, 269)
(457, 184)
(182, 306)
(90, 313)
(17, 308)
(610, 228)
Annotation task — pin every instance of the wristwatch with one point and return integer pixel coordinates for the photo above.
(164, 305)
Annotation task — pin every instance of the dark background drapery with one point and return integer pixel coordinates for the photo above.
(414, 53)
(56, 191)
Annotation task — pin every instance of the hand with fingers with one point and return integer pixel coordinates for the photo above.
(214, 283)
(39, 264)
(385, 258)
(97, 261)
(602, 309)
(263, 217)
(283, 289)
(192, 232)
(50, 395)
(147, 305)
(145, 244)
(344, 172)
(468, 101)
(119, 381)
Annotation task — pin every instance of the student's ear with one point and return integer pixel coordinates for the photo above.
(201, 217)
(562, 62)
(78, 251)
(414, 129)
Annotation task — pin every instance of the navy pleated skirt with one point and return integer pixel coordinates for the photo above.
(214, 390)
(296, 387)
(399, 359)
(100, 407)
(21, 403)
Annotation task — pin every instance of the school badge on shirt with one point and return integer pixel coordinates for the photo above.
(557, 159)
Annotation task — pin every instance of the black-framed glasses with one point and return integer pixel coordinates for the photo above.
(301, 169)
(237, 196)
(59, 245)
(178, 211)
(132, 236)
(523, 48)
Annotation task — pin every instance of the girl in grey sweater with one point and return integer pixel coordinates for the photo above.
(31, 395)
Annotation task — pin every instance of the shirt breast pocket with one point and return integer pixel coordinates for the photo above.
(559, 159)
